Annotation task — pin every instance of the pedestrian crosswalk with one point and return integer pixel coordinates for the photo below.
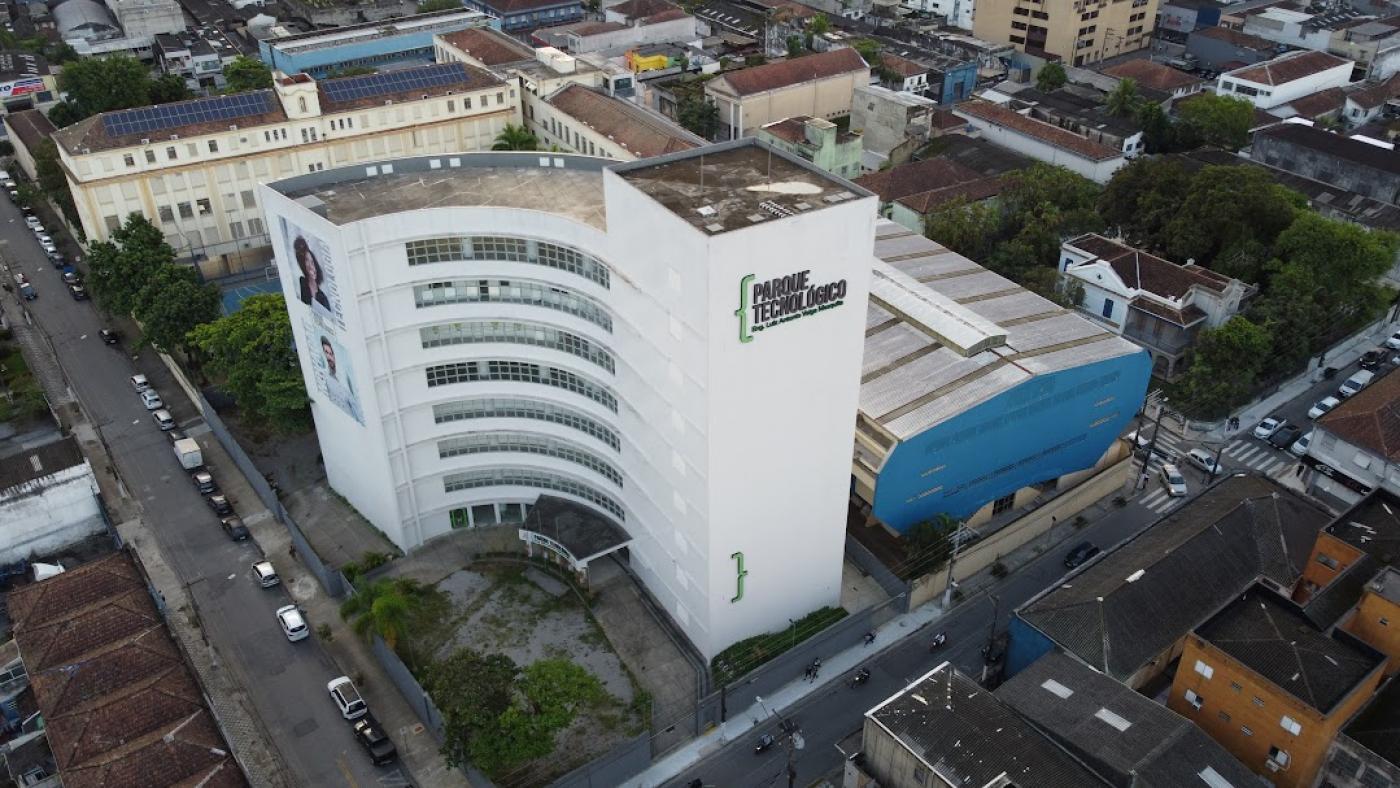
(1244, 453)
(1157, 499)
(1257, 456)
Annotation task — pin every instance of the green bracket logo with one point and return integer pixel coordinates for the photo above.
(743, 314)
(740, 571)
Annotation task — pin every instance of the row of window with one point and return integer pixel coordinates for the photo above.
(512, 408)
(463, 291)
(1207, 672)
(482, 514)
(520, 371)
(520, 250)
(515, 333)
(527, 443)
(544, 480)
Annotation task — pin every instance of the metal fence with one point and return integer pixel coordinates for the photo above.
(329, 578)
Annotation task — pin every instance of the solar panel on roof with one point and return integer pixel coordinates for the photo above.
(352, 88)
(187, 113)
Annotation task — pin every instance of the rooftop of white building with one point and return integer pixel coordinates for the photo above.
(368, 31)
(943, 334)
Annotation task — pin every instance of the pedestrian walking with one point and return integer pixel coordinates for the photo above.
(292, 551)
(869, 638)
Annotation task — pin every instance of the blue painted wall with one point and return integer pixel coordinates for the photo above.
(1027, 645)
(958, 83)
(414, 46)
(1042, 429)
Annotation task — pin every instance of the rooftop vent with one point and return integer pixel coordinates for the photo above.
(715, 228)
(706, 210)
(756, 217)
(1056, 688)
(776, 209)
(1112, 719)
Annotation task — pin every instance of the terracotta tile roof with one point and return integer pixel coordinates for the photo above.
(794, 130)
(636, 130)
(1238, 38)
(1370, 419)
(470, 78)
(787, 73)
(1288, 68)
(121, 708)
(1368, 97)
(636, 9)
(591, 28)
(1142, 271)
(31, 127)
(669, 15)
(1315, 105)
(1156, 76)
(1045, 132)
(972, 191)
(916, 177)
(902, 66)
(489, 46)
(944, 119)
(1185, 318)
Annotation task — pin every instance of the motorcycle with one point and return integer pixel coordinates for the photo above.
(938, 641)
(861, 676)
(765, 742)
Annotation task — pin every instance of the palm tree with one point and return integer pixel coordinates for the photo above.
(514, 137)
(1123, 101)
(383, 608)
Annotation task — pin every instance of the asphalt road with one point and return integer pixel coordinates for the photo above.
(286, 681)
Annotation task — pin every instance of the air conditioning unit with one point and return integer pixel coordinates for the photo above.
(1272, 765)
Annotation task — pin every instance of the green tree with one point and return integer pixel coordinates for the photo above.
(795, 47)
(1052, 76)
(471, 691)
(1124, 99)
(970, 229)
(253, 351)
(1217, 121)
(869, 51)
(102, 84)
(514, 137)
(556, 688)
(119, 269)
(1066, 202)
(168, 88)
(383, 608)
(1141, 199)
(1158, 132)
(171, 303)
(428, 6)
(699, 116)
(245, 74)
(1225, 368)
(65, 113)
(52, 182)
(1229, 220)
(819, 25)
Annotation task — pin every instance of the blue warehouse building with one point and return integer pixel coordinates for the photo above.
(978, 395)
(404, 41)
(519, 16)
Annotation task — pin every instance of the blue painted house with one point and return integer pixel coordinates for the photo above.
(946, 79)
(408, 40)
(978, 395)
(523, 15)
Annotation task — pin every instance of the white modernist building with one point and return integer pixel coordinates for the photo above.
(661, 357)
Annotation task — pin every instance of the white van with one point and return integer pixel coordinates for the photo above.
(1356, 383)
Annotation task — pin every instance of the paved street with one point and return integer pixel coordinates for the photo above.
(286, 681)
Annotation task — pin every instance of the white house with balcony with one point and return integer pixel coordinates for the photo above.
(1272, 83)
(1156, 303)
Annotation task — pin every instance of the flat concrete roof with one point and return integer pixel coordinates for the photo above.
(728, 187)
(564, 185)
(925, 366)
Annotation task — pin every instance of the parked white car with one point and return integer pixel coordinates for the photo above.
(1173, 481)
(347, 698)
(140, 383)
(1394, 341)
(1300, 446)
(1204, 460)
(293, 624)
(265, 574)
(1267, 427)
(152, 400)
(1322, 406)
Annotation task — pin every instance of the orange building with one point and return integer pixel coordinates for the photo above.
(1271, 688)
(1377, 616)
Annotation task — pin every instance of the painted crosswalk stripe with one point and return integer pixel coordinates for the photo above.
(1245, 454)
(1153, 497)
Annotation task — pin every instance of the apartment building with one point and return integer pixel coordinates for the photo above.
(1079, 31)
(819, 86)
(193, 167)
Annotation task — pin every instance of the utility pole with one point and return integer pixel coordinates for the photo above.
(1152, 444)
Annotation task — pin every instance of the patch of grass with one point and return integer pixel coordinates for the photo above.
(749, 653)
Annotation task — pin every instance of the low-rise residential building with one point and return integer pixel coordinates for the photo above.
(1378, 606)
(27, 130)
(1369, 101)
(1271, 688)
(1177, 19)
(592, 36)
(1156, 79)
(946, 79)
(1223, 48)
(1040, 140)
(952, 419)
(1301, 29)
(48, 500)
(902, 74)
(1128, 612)
(121, 707)
(1082, 111)
(401, 41)
(945, 729)
(817, 140)
(1370, 169)
(1160, 305)
(199, 56)
(525, 15)
(1373, 44)
(26, 82)
(1128, 738)
(1354, 448)
(909, 192)
(892, 124)
(193, 167)
(1367, 752)
(956, 13)
(819, 85)
(580, 119)
(1285, 78)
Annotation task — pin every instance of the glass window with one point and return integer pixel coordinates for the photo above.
(170, 153)
(515, 332)
(150, 157)
(511, 408)
(1291, 725)
(186, 211)
(513, 477)
(1108, 308)
(527, 443)
(1204, 669)
(213, 146)
(204, 207)
(1195, 700)
(249, 201)
(473, 371)
(166, 214)
(129, 160)
(462, 291)
(484, 514)
(1004, 504)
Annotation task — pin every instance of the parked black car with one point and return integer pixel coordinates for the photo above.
(1372, 359)
(1080, 554)
(1285, 436)
(372, 737)
(220, 505)
(234, 527)
(109, 337)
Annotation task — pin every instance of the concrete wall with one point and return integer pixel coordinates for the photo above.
(683, 29)
(1213, 53)
(1096, 170)
(883, 117)
(1371, 623)
(827, 98)
(49, 513)
(1328, 168)
(992, 20)
(1266, 96)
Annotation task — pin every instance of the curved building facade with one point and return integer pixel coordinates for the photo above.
(671, 345)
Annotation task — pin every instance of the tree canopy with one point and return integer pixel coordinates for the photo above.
(252, 350)
(1225, 367)
(171, 302)
(699, 116)
(118, 269)
(1052, 76)
(103, 84)
(1123, 100)
(1218, 121)
(429, 6)
(245, 74)
(514, 137)
(1229, 219)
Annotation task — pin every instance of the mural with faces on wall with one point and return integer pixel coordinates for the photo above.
(318, 293)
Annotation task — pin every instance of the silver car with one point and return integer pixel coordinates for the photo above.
(1173, 481)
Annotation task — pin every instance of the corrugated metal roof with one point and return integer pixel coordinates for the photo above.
(938, 314)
